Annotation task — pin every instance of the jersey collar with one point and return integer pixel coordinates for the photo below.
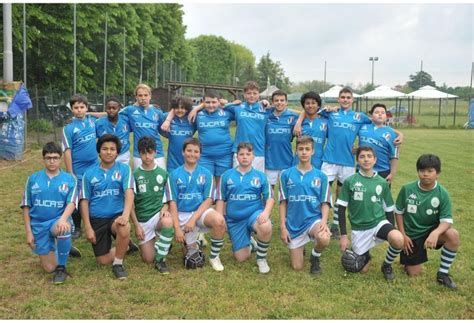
(375, 174)
(419, 186)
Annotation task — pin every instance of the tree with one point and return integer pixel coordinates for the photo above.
(244, 64)
(267, 69)
(315, 85)
(420, 78)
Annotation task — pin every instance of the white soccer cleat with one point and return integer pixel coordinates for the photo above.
(216, 264)
(263, 266)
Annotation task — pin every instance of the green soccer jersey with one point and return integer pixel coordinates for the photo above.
(149, 192)
(423, 210)
(367, 199)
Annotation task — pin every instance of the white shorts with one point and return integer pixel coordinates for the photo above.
(258, 162)
(160, 161)
(149, 228)
(191, 237)
(303, 238)
(338, 172)
(273, 176)
(124, 158)
(364, 240)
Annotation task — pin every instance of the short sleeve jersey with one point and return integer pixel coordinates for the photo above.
(214, 132)
(149, 192)
(367, 199)
(304, 194)
(105, 189)
(121, 129)
(422, 210)
(279, 134)
(145, 122)
(48, 197)
(189, 190)
(180, 130)
(244, 194)
(343, 127)
(318, 130)
(381, 140)
(80, 136)
(251, 122)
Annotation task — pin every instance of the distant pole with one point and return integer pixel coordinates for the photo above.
(124, 59)
(324, 84)
(421, 84)
(105, 63)
(373, 60)
(75, 51)
(156, 67)
(141, 63)
(171, 70)
(235, 68)
(24, 46)
(470, 86)
(7, 43)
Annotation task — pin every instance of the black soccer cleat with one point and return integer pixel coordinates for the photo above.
(335, 234)
(387, 272)
(119, 272)
(132, 247)
(60, 275)
(315, 268)
(162, 267)
(74, 252)
(446, 280)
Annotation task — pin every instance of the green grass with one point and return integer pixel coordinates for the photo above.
(240, 292)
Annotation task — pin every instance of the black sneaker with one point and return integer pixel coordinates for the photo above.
(76, 233)
(336, 235)
(162, 267)
(387, 272)
(119, 272)
(446, 280)
(132, 247)
(315, 269)
(59, 275)
(75, 253)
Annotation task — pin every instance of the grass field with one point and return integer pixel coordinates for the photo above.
(240, 292)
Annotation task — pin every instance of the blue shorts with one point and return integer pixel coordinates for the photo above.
(240, 231)
(217, 166)
(45, 238)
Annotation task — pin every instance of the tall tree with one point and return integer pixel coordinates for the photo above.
(267, 69)
(315, 85)
(244, 64)
(420, 78)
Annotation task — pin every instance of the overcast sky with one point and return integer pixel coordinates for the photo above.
(303, 36)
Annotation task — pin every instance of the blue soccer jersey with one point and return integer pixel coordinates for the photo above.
(304, 194)
(214, 132)
(189, 190)
(381, 140)
(180, 130)
(145, 122)
(318, 130)
(251, 123)
(48, 197)
(244, 194)
(343, 127)
(121, 129)
(279, 134)
(105, 189)
(80, 136)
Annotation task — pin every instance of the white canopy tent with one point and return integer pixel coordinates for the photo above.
(269, 91)
(384, 92)
(333, 93)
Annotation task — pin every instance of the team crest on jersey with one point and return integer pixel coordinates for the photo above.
(323, 127)
(378, 189)
(63, 188)
(159, 179)
(116, 176)
(316, 182)
(155, 117)
(220, 112)
(201, 179)
(434, 202)
(91, 123)
(261, 108)
(290, 120)
(255, 182)
(387, 136)
(429, 211)
(125, 128)
(357, 116)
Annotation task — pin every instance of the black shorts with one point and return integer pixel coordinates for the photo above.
(384, 231)
(384, 175)
(419, 254)
(103, 234)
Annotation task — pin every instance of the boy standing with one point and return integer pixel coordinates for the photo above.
(367, 197)
(246, 199)
(106, 201)
(424, 217)
(49, 199)
(305, 198)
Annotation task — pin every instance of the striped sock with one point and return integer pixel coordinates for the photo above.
(216, 245)
(162, 245)
(392, 253)
(447, 258)
(262, 249)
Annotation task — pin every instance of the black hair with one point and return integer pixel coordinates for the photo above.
(364, 148)
(113, 99)
(192, 141)
(146, 144)
(211, 94)
(52, 148)
(186, 102)
(310, 95)
(78, 98)
(428, 161)
(108, 138)
(279, 93)
(378, 105)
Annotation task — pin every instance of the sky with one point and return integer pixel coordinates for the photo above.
(303, 36)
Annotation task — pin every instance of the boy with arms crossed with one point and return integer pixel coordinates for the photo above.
(305, 198)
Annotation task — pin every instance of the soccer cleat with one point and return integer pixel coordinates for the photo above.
(162, 267)
(132, 247)
(74, 252)
(336, 235)
(76, 233)
(387, 272)
(446, 280)
(253, 244)
(216, 264)
(263, 266)
(119, 272)
(59, 275)
(315, 269)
